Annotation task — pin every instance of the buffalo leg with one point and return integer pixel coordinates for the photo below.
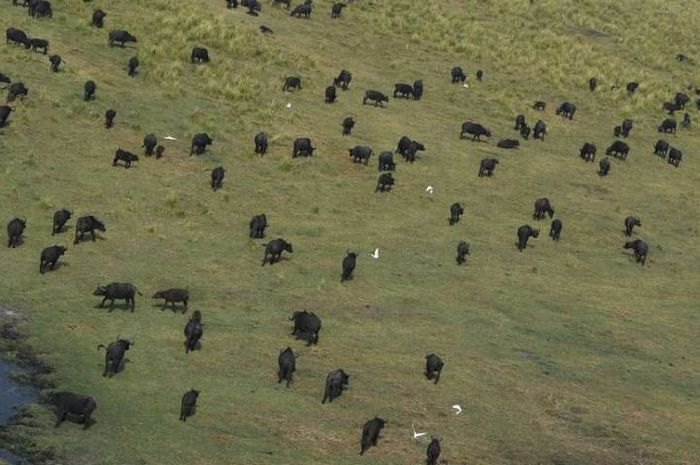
(60, 417)
(103, 302)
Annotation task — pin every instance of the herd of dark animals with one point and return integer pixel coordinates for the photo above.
(306, 325)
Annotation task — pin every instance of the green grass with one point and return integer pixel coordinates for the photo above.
(559, 355)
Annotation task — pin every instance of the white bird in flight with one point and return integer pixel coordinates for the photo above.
(375, 254)
(429, 189)
(416, 435)
(169, 138)
(289, 105)
(457, 408)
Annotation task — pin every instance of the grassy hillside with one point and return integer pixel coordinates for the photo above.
(566, 354)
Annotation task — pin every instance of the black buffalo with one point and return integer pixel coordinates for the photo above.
(150, 141)
(89, 89)
(618, 149)
(336, 9)
(640, 248)
(55, 62)
(479, 75)
(539, 105)
(525, 132)
(681, 99)
(668, 126)
(302, 10)
(286, 363)
(114, 355)
(604, 166)
(193, 331)
(40, 9)
(174, 296)
(384, 183)
(567, 110)
(330, 94)
(117, 291)
(475, 130)
(5, 79)
(109, 118)
(508, 144)
(685, 124)
(98, 17)
(87, 224)
(17, 36)
(291, 82)
(50, 256)
(121, 37)
(675, 156)
(462, 252)
(588, 151)
(16, 89)
(15, 229)
(306, 326)
(555, 229)
(360, 153)
(274, 249)
(417, 89)
(60, 218)
(336, 381)
(626, 127)
(433, 452)
(348, 266)
(200, 142)
(5, 114)
(199, 55)
(592, 84)
(188, 404)
(540, 130)
(524, 233)
(343, 79)
(458, 75)
(40, 44)
(302, 147)
(456, 209)
(217, 177)
(257, 226)
(132, 65)
(386, 161)
(376, 97)
(348, 124)
(542, 208)
(630, 223)
(487, 166)
(632, 87)
(519, 122)
(433, 367)
(127, 157)
(160, 150)
(370, 433)
(68, 403)
(403, 90)
(261, 141)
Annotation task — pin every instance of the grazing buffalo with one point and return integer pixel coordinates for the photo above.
(40, 44)
(261, 141)
(335, 383)
(50, 256)
(121, 37)
(417, 89)
(16, 89)
(592, 84)
(5, 79)
(274, 249)
(98, 17)
(567, 110)
(150, 141)
(253, 6)
(376, 97)
(188, 404)
(524, 233)
(193, 331)
(403, 90)
(681, 99)
(630, 223)
(671, 107)
(458, 75)
(604, 166)
(631, 87)
(668, 126)
(456, 209)
(40, 9)
(17, 36)
(685, 124)
(360, 153)
(330, 94)
(302, 147)
(519, 122)
(349, 263)
(348, 124)
(433, 452)
(540, 130)
(479, 75)
(617, 131)
(525, 132)
(555, 229)
(60, 217)
(408, 148)
(475, 130)
(132, 66)
(386, 162)
(5, 114)
(542, 208)
(306, 326)
(462, 252)
(433, 367)
(508, 144)
(618, 149)
(114, 355)
(343, 79)
(301, 10)
(291, 82)
(539, 105)
(626, 127)
(55, 62)
(487, 166)
(89, 89)
(68, 403)
(173, 296)
(257, 226)
(124, 156)
(675, 156)
(200, 142)
(336, 9)
(384, 183)
(370, 433)
(286, 363)
(588, 151)
(87, 224)
(117, 291)
(199, 55)
(109, 118)
(15, 229)
(640, 248)
(217, 177)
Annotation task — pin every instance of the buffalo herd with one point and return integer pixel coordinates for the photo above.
(306, 324)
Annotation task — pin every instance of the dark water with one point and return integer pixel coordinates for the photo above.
(12, 395)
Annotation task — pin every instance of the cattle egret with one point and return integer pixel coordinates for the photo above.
(169, 138)
(429, 189)
(416, 435)
(457, 408)
(375, 254)
(289, 105)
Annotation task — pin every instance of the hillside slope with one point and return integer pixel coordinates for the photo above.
(568, 353)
